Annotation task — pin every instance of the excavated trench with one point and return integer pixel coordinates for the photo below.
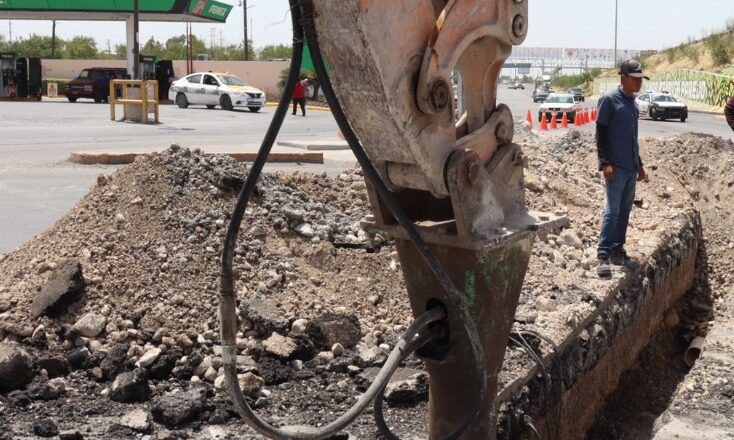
(617, 371)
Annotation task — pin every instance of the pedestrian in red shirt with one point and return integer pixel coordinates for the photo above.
(729, 112)
(299, 96)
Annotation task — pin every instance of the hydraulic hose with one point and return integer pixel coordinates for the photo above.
(378, 412)
(227, 291)
(391, 202)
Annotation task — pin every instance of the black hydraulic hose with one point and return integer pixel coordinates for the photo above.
(390, 201)
(378, 411)
(228, 314)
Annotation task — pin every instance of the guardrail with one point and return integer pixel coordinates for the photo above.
(145, 101)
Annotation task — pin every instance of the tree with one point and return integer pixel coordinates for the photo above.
(121, 51)
(37, 46)
(176, 47)
(274, 52)
(153, 48)
(81, 48)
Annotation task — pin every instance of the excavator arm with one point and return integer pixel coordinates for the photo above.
(447, 187)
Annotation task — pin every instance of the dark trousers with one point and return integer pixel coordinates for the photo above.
(620, 197)
(302, 103)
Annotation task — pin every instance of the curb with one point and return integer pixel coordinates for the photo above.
(101, 158)
(316, 145)
(308, 107)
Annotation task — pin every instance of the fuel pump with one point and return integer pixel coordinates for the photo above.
(147, 68)
(7, 75)
(20, 77)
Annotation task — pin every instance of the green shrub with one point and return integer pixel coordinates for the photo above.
(563, 82)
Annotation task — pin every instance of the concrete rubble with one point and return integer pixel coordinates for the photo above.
(109, 325)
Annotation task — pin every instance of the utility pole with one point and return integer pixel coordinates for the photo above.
(53, 40)
(212, 42)
(244, 14)
(136, 45)
(10, 31)
(616, 22)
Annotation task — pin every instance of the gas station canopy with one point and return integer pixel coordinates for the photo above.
(116, 10)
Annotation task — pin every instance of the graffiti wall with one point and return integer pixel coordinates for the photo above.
(688, 85)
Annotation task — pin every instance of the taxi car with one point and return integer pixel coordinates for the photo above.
(661, 106)
(216, 89)
(558, 104)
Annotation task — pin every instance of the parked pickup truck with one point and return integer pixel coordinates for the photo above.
(93, 83)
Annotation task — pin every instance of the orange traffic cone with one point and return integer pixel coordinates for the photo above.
(564, 121)
(584, 121)
(577, 119)
(554, 122)
(593, 114)
(543, 123)
(529, 118)
(587, 115)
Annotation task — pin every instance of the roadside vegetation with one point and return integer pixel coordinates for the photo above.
(563, 82)
(714, 52)
(83, 47)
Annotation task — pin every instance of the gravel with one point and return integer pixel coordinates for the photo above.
(147, 242)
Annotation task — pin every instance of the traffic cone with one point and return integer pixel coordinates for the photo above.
(583, 117)
(593, 114)
(587, 115)
(529, 118)
(564, 121)
(577, 119)
(543, 123)
(554, 122)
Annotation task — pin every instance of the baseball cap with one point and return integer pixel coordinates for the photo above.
(632, 68)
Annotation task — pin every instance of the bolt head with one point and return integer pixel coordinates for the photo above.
(440, 95)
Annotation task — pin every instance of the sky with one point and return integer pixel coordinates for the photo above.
(643, 24)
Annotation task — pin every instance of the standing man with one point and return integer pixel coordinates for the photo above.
(299, 96)
(729, 112)
(619, 160)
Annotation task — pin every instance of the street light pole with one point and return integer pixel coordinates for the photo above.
(136, 44)
(53, 40)
(244, 13)
(616, 22)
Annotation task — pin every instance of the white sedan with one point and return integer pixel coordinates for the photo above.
(558, 104)
(216, 89)
(661, 106)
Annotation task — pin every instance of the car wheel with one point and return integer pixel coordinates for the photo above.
(209, 106)
(182, 101)
(683, 119)
(71, 99)
(98, 99)
(653, 116)
(226, 102)
(254, 109)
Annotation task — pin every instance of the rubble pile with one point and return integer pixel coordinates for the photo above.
(109, 323)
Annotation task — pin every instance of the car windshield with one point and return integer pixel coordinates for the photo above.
(575, 90)
(663, 98)
(559, 100)
(231, 80)
(84, 74)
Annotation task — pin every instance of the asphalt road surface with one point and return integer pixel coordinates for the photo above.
(38, 185)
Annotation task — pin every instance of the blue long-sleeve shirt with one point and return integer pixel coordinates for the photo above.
(618, 115)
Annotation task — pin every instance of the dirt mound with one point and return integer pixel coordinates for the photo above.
(148, 242)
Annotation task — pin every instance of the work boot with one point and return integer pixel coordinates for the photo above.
(619, 257)
(603, 268)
